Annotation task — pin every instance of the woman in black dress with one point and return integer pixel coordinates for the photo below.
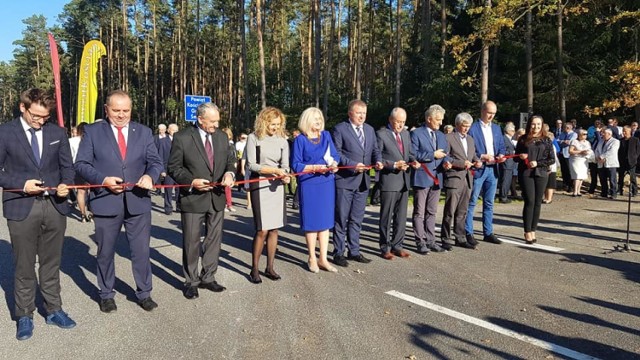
(536, 154)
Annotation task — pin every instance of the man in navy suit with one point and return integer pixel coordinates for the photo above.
(35, 160)
(120, 155)
(429, 147)
(357, 145)
(490, 149)
(164, 150)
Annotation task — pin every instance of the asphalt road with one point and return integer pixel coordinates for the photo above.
(506, 301)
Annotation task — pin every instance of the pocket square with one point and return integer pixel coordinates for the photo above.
(55, 142)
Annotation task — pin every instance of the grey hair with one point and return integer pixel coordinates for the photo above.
(433, 109)
(395, 111)
(202, 108)
(509, 127)
(607, 130)
(463, 118)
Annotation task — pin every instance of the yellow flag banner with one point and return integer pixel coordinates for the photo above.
(87, 82)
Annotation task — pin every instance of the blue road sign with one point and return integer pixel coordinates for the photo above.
(191, 103)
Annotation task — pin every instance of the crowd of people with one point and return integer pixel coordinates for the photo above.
(117, 163)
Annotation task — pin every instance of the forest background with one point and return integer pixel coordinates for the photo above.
(558, 58)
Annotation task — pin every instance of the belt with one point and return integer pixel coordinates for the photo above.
(42, 197)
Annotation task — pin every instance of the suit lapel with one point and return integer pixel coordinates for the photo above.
(108, 134)
(21, 135)
(195, 135)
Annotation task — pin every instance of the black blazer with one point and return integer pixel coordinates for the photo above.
(188, 161)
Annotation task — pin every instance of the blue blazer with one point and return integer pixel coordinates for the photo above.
(99, 157)
(164, 149)
(351, 153)
(481, 147)
(17, 165)
(423, 150)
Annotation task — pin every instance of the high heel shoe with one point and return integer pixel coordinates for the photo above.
(254, 277)
(272, 275)
(313, 267)
(328, 268)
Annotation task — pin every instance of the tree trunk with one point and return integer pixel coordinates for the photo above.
(484, 86)
(396, 101)
(443, 30)
(245, 71)
(317, 53)
(561, 96)
(327, 74)
(529, 48)
(359, 52)
(263, 77)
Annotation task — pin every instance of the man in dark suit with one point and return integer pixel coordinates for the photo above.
(356, 143)
(490, 149)
(429, 147)
(35, 157)
(458, 181)
(628, 153)
(506, 168)
(121, 155)
(164, 149)
(395, 149)
(200, 156)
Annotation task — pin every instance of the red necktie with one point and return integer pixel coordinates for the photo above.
(399, 141)
(122, 144)
(209, 149)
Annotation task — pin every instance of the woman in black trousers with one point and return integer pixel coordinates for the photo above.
(535, 156)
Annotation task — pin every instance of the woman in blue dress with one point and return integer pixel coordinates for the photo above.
(315, 153)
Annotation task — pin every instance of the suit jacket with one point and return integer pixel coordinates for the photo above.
(17, 165)
(351, 153)
(508, 164)
(629, 159)
(422, 147)
(481, 147)
(608, 151)
(458, 176)
(392, 179)
(164, 150)
(188, 161)
(99, 157)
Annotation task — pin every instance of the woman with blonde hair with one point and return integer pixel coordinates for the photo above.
(315, 154)
(267, 154)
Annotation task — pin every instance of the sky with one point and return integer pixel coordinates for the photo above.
(16, 11)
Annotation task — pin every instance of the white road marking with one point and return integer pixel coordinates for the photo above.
(520, 243)
(561, 350)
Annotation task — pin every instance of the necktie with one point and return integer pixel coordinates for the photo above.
(34, 145)
(433, 139)
(360, 135)
(399, 141)
(122, 143)
(209, 149)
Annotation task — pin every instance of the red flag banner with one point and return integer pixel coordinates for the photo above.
(55, 62)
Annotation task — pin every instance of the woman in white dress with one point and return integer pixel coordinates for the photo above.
(579, 151)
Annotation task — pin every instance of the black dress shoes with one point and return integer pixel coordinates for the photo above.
(436, 248)
(471, 240)
(108, 305)
(492, 239)
(147, 304)
(340, 261)
(446, 246)
(191, 292)
(423, 249)
(465, 245)
(359, 258)
(213, 286)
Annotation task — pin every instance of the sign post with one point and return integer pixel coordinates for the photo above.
(191, 103)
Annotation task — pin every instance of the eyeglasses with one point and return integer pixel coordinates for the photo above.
(38, 117)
